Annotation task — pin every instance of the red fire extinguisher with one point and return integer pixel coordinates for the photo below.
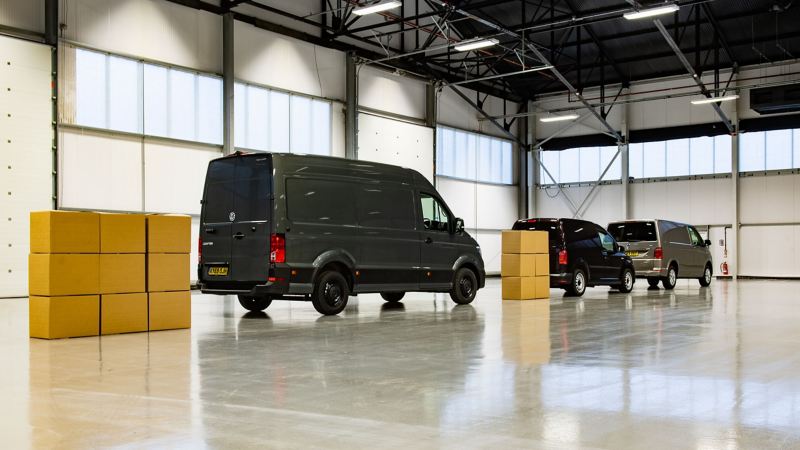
(724, 267)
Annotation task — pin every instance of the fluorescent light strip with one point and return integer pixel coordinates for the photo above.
(706, 101)
(651, 12)
(473, 45)
(558, 118)
(385, 6)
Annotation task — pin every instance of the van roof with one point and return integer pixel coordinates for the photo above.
(649, 220)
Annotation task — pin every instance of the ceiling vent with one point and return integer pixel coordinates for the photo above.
(774, 100)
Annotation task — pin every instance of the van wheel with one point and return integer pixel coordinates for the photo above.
(705, 280)
(626, 281)
(330, 293)
(578, 283)
(671, 279)
(653, 282)
(465, 286)
(254, 303)
(393, 297)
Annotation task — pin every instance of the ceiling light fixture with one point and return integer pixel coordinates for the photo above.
(476, 44)
(708, 100)
(558, 118)
(651, 12)
(376, 8)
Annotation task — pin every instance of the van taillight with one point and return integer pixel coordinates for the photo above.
(562, 257)
(277, 248)
(199, 250)
(658, 253)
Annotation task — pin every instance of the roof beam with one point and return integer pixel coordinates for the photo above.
(600, 47)
(718, 30)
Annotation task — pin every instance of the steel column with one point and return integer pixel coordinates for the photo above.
(228, 77)
(351, 108)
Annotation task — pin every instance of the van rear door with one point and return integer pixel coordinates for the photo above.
(215, 220)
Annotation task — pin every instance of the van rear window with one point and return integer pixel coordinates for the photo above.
(238, 185)
(552, 227)
(633, 231)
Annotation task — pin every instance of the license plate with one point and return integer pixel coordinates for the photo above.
(218, 271)
(632, 254)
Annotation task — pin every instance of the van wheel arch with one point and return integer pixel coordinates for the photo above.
(340, 267)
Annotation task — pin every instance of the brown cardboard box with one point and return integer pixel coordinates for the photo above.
(167, 272)
(542, 289)
(64, 232)
(63, 274)
(61, 317)
(123, 313)
(121, 273)
(542, 264)
(524, 241)
(169, 233)
(170, 310)
(518, 288)
(518, 265)
(122, 233)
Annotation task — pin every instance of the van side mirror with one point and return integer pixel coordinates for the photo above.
(708, 242)
(459, 225)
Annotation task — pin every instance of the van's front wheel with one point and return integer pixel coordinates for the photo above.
(254, 303)
(330, 293)
(465, 286)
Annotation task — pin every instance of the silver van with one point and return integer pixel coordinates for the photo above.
(664, 251)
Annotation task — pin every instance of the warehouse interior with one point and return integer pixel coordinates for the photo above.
(610, 110)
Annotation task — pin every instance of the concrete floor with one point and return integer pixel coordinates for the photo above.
(715, 368)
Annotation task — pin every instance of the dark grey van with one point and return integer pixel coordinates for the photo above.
(296, 227)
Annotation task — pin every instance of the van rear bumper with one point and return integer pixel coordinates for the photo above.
(648, 268)
(270, 288)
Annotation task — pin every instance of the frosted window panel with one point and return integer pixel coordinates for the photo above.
(779, 149)
(209, 104)
(635, 160)
(484, 158)
(796, 147)
(123, 89)
(654, 159)
(321, 127)
(497, 161)
(570, 165)
(448, 154)
(439, 156)
(300, 123)
(460, 153)
(751, 151)
(257, 118)
(471, 156)
(182, 105)
(90, 89)
(278, 122)
(240, 115)
(722, 153)
(678, 157)
(155, 100)
(702, 150)
(615, 171)
(550, 161)
(589, 163)
(508, 163)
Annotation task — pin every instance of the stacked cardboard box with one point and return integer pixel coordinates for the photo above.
(525, 265)
(168, 247)
(123, 299)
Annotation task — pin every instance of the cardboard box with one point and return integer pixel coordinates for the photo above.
(170, 310)
(63, 274)
(519, 288)
(61, 317)
(121, 273)
(167, 272)
(542, 289)
(169, 233)
(123, 313)
(542, 265)
(64, 232)
(518, 265)
(122, 233)
(525, 241)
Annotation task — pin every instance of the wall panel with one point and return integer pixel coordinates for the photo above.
(385, 91)
(174, 175)
(390, 141)
(26, 15)
(699, 202)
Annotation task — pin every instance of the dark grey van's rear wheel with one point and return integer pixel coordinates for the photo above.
(465, 286)
(393, 297)
(671, 279)
(254, 303)
(330, 293)
(578, 284)
(705, 280)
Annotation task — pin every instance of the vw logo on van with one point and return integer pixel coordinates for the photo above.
(232, 216)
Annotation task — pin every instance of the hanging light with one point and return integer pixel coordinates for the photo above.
(651, 12)
(708, 100)
(476, 44)
(558, 118)
(376, 8)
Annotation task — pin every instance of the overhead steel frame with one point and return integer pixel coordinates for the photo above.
(51, 39)
(228, 77)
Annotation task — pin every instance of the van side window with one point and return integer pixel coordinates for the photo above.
(434, 216)
(320, 201)
(697, 241)
(606, 241)
(383, 207)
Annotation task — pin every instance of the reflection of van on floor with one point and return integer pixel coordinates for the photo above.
(664, 251)
(294, 227)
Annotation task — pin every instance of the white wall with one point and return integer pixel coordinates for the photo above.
(604, 207)
(394, 142)
(25, 15)
(386, 91)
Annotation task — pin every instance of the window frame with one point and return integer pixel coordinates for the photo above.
(442, 206)
(442, 161)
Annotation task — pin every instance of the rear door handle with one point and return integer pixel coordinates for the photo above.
(239, 235)
(428, 240)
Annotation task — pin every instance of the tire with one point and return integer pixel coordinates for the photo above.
(330, 293)
(465, 286)
(671, 279)
(626, 280)
(705, 280)
(578, 283)
(254, 303)
(653, 282)
(393, 297)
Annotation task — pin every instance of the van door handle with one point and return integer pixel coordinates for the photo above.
(428, 240)
(239, 235)
(211, 230)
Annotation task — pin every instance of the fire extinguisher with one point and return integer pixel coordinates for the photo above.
(724, 267)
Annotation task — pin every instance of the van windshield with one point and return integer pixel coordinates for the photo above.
(238, 189)
(633, 231)
(551, 226)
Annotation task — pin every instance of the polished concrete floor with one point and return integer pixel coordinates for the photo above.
(715, 368)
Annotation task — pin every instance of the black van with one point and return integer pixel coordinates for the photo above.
(297, 227)
(583, 254)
